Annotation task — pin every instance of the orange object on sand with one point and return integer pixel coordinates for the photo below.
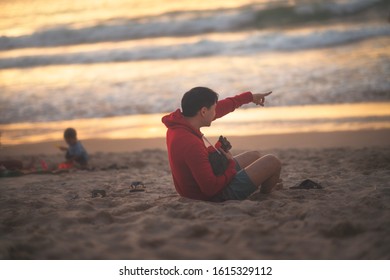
(65, 165)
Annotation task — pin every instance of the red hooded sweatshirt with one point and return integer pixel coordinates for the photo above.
(188, 155)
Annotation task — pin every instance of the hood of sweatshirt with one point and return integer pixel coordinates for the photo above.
(176, 120)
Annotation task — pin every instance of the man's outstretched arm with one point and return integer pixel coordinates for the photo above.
(229, 104)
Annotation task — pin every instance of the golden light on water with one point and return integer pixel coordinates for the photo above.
(297, 119)
(218, 68)
(33, 15)
(254, 121)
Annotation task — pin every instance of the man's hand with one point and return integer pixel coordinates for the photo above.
(259, 98)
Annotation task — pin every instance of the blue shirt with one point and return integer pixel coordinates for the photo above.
(77, 150)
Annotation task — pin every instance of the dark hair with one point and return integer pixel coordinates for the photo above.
(197, 98)
(70, 133)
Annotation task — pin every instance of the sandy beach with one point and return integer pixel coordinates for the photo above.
(56, 217)
(112, 69)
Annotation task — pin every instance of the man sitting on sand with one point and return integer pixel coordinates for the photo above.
(188, 155)
(75, 152)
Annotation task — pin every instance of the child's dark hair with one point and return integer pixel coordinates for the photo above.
(70, 133)
(197, 98)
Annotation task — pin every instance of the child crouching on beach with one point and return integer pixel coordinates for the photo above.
(75, 152)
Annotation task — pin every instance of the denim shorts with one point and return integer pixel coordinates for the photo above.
(239, 188)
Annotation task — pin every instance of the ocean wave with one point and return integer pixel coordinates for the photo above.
(188, 23)
(250, 44)
(173, 24)
(336, 8)
(346, 74)
(304, 11)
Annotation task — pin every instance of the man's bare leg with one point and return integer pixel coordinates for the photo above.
(265, 172)
(246, 158)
